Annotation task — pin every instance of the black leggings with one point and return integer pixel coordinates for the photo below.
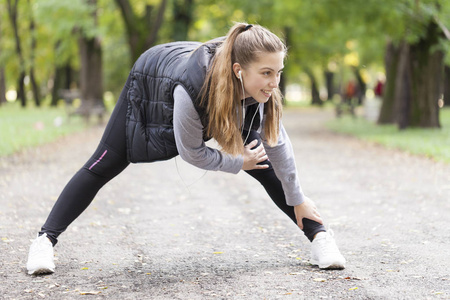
(273, 187)
(110, 159)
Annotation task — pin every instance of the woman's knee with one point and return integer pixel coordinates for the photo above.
(106, 162)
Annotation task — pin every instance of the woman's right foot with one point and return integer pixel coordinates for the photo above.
(40, 256)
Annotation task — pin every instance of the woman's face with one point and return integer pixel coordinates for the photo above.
(262, 76)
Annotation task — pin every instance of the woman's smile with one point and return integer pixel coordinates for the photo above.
(267, 93)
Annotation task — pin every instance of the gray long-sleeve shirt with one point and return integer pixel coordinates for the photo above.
(189, 140)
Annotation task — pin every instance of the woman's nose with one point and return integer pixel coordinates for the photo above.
(274, 83)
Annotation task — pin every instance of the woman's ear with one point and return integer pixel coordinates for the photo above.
(236, 69)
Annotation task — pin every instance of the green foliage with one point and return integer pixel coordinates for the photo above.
(318, 31)
(71, 16)
(116, 55)
(73, 19)
(433, 143)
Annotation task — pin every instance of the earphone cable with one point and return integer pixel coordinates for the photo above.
(243, 102)
(184, 182)
(243, 112)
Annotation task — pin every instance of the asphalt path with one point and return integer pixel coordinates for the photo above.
(170, 231)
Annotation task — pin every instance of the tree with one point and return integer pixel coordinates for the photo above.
(25, 55)
(415, 59)
(419, 81)
(415, 78)
(391, 61)
(62, 79)
(13, 17)
(142, 31)
(78, 30)
(2, 86)
(315, 95)
(91, 79)
(447, 86)
(182, 19)
(33, 80)
(2, 74)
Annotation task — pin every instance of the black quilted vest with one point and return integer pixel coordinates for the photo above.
(149, 125)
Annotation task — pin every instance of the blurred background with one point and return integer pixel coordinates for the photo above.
(382, 67)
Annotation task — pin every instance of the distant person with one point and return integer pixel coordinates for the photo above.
(179, 95)
(379, 89)
(350, 91)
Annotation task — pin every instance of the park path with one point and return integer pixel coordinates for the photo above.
(170, 231)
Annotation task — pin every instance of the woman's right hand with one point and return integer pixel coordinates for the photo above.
(254, 156)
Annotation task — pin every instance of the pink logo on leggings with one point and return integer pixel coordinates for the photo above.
(98, 160)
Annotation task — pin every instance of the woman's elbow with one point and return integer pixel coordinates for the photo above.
(191, 158)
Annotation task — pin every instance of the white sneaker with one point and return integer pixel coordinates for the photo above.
(40, 257)
(325, 253)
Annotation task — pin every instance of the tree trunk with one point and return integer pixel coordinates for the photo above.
(287, 42)
(182, 19)
(21, 93)
(35, 88)
(91, 83)
(329, 76)
(391, 60)
(427, 69)
(142, 32)
(2, 77)
(361, 90)
(62, 81)
(91, 77)
(2, 86)
(33, 81)
(57, 79)
(12, 11)
(402, 95)
(62, 78)
(447, 86)
(315, 96)
(419, 82)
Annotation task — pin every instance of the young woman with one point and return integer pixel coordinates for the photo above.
(179, 95)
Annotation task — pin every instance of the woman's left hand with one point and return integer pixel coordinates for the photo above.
(307, 210)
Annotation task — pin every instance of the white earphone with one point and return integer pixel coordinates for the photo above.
(240, 75)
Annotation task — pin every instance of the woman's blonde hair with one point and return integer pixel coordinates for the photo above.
(222, 90)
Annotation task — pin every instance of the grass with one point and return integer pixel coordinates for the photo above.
(433, 143)
(21, 128)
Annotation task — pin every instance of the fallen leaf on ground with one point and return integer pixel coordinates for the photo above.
(320, 279)
(90, 293)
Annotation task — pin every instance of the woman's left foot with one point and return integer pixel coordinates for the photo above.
(325, 253)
